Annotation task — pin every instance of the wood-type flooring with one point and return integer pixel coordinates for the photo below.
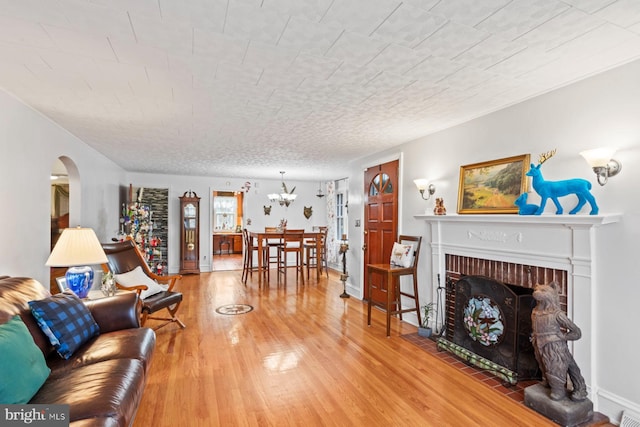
(305, 357)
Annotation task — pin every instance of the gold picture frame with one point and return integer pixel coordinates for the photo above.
(493, 186)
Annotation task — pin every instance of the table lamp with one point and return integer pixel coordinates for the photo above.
(78, 248)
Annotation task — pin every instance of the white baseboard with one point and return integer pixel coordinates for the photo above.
(613, 405)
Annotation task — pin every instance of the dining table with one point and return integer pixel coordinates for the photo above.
(261, 238)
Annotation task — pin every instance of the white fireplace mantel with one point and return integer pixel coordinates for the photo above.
(567, 220)
(547, 240)
(565, 242)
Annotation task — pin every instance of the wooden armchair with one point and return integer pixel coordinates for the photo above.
(123, 258)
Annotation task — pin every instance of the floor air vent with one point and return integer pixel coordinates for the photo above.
(629, 419)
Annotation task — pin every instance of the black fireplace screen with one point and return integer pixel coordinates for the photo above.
(493, 320)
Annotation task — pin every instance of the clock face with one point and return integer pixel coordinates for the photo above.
(190, 211)
(483, 320)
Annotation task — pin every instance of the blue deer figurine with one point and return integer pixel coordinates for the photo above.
(525, 208)
(554, 189)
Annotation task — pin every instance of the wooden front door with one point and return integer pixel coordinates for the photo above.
(380, 222)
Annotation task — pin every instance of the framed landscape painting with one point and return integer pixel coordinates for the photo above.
(492, 187)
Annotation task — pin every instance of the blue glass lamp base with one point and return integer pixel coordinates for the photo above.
(79, 280)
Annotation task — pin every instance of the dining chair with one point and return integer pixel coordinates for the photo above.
(131, 272)
(292, 243)
(310, 252)
(272, 245)
(250, 250)
(404, 262)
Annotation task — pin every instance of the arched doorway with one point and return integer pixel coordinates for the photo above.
(65, 205)
(59, 200)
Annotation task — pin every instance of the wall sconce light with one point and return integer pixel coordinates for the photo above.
(600, 159)
(423, 185)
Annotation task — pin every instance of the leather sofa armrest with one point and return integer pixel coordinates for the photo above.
(117, 312)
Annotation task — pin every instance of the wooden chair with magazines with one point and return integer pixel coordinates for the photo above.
(404, 262)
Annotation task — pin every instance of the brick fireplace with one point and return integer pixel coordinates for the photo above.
(508, 286)
(523, 251)
(526, 276)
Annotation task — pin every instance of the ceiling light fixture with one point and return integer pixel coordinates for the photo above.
(286, 197)
(320, 193)
(600, 159)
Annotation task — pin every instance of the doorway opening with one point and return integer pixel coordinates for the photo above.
(65, 206)
(59, 200)
(227, 220)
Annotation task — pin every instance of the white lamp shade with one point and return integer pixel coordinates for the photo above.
(598, 156)
(421, 183)
(75, 247)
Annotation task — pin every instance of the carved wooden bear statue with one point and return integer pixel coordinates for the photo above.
(551, 331)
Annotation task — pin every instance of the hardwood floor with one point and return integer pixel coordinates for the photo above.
(226, 262)
(304, 356)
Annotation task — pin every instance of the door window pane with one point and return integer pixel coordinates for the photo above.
(381, 183)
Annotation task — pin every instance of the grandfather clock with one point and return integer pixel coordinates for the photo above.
(190, 233)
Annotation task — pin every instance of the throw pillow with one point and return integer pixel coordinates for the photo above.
(402, 255)
(137, 277)
(23, 369)
(66, 321)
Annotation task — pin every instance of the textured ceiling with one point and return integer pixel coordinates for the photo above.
(247, 88)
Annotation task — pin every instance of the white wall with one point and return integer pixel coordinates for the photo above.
(29, 145)
(254, 201)
(603, 110)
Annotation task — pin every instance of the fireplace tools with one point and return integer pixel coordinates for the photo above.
(439, 306)
(344, 247)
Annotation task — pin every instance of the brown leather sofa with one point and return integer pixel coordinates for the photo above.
(104, 379)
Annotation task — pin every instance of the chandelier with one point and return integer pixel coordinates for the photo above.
(285, 198)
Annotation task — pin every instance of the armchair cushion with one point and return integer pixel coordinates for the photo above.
(401, 255)
(23, 369)
(138, 277)
(66, 321)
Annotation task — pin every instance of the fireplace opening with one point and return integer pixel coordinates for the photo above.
(488, 314)
(493, 321)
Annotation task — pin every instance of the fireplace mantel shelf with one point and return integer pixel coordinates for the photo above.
(567, 220)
